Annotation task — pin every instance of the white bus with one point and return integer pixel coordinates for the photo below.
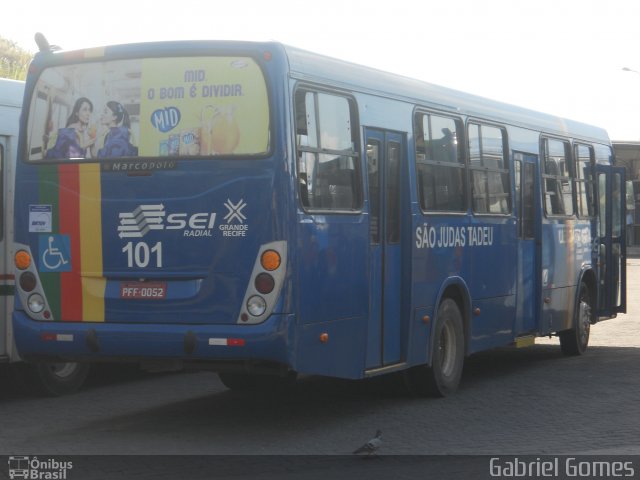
(45, 378)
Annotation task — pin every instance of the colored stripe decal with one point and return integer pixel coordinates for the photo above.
(69, 211)
(74, 192)
(90, 227)
(48, 194)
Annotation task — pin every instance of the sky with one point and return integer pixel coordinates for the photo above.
(563, 57)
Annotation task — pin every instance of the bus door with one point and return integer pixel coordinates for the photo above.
(611, 241)
(528, 288)
(385, 151)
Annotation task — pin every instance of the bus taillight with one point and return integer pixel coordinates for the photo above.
(256, 305)
(22, 260)
(28, 281)
(28, 285)
(265, 283)
(36, 303)
(270, 260)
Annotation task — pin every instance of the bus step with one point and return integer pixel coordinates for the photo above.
(385, 369)
(526, 341)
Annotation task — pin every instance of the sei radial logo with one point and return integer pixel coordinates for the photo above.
(153, 217)
(145, 218)
(38, 469)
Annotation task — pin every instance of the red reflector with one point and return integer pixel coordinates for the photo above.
(48, 337)
(235, 342)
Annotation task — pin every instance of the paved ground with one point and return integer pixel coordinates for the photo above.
(512, 402)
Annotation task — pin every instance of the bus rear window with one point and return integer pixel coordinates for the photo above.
(156, 107)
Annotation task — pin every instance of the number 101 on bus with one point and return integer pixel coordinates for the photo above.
(141, 255)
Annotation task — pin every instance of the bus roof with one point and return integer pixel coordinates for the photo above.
(306, 65)
(339, 73)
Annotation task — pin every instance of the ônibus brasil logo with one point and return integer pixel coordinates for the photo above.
(38, 469)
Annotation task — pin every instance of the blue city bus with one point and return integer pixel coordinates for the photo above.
(260, 211)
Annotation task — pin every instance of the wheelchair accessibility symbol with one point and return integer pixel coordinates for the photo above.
(55, 253)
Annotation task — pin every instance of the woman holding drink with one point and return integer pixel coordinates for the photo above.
(116, 140)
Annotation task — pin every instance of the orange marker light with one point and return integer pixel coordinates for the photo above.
(22, 259)
(270, 260)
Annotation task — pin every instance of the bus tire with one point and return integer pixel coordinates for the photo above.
(53, 379)
(443, 376)
(575, 340)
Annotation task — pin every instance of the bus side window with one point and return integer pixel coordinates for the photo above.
(558, 183)
(439, 163)
(491, 190)
(583, 157)
(328, 176)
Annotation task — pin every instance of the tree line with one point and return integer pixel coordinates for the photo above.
(14, 60)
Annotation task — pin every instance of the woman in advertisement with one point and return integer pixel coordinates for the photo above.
(117, 140)
(76, 139)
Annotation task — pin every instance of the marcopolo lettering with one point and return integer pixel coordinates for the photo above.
(139, 166)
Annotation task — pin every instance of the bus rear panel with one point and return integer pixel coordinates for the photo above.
(146, 198)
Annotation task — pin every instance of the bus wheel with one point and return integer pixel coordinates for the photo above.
(443, 377)
(575, 340)
(53, 379)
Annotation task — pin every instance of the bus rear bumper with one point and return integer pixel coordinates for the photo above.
(270, 341)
